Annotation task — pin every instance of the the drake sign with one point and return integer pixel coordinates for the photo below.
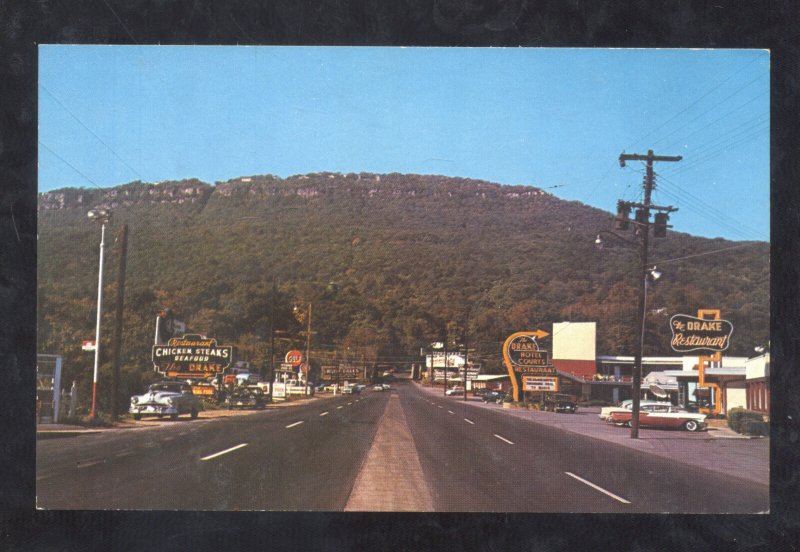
(523, 357)
(192, 356)
(690, 333)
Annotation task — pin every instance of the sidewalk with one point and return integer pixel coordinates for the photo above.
(718, 449)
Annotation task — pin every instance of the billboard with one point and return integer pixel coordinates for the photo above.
(192, 356)
(690, 333)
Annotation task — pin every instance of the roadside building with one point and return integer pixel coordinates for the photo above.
(757, 396)
(498, 382)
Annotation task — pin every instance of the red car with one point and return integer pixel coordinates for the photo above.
(664, 417)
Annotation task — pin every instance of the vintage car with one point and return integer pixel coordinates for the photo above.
(166, 398)
(494, 396)
(558, 402)
(626, 406)
(457, 390)
(245, 397)
(661, 417)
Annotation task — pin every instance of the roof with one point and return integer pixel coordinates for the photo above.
(732, 371)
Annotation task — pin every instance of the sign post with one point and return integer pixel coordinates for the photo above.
(706, 333)
(192, 356)
(529, 366)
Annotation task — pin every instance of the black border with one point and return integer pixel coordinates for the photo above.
(567, 23)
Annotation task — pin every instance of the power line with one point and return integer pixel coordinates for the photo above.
(705, 253)
(684, 110)
(69, 164)
(90, 131)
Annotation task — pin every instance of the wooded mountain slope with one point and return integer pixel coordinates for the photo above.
(385, 260)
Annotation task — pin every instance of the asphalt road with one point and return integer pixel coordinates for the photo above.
(308, 457)
(304, 457)
(478, 458)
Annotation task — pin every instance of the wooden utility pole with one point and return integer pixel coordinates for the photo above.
(122, 239)
(642, 222)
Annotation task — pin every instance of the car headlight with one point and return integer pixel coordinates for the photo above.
(134, 400)
(171, 401)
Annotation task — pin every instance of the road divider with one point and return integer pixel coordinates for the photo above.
(598, 488)
(226, 451)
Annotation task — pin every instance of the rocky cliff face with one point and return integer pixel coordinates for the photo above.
(364, 185)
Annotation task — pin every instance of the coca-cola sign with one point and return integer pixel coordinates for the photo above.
(690, 333)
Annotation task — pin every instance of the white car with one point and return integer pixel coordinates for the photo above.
(458, 390)
(378, 388)
(627, 406)
(166, 398)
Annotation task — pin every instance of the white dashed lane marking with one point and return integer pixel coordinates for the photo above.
(324, 414)
(226, 451)
(598, 488)
(294, 424)
(469, 421)
(503, 439)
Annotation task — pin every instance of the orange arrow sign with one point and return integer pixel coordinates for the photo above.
(539, 333)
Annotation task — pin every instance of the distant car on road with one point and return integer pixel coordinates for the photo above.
(558, 402)
(457, 390)
(661, 417)
(386, 386)
(166, 398)
(480, 392)
(245, 397)
(493, 396)
(378, 388)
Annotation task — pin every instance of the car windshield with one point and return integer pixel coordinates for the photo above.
(172, 388)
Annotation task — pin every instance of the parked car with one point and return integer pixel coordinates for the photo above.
(349, 389)
(378, 387)
(386, 386)
(245, 397)
(166, 398)
(661, 417)
(558, 402)
(480, 392)
(626, 406)
(493, 396)
(457, 390)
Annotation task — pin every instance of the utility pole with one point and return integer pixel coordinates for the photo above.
(308, 348)
(445, 359)
(466, 356)
(643, 229)
(272, 340)
(122, 239)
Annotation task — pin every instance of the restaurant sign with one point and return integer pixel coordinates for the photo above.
(192, 356)
(523, 357)
(690, 333)
(539, 383)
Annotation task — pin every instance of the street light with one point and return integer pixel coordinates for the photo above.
(103, 217)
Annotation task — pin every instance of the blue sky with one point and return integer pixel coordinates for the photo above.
(552, 118)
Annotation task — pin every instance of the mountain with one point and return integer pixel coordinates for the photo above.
(385, 260)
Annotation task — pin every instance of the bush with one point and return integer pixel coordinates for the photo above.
(739, 419)
(755, 427)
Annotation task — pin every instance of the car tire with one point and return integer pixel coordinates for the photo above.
(173, 416)
(627, 424)
(194, 413)
(691, 425)
(137, 416)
